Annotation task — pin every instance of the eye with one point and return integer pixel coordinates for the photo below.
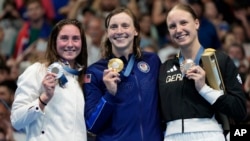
(171, 26)
(183, 22)
(64, 37)
(125, 25)
(113, 26)
(76, 38)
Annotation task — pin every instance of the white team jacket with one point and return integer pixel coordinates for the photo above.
(62, 118)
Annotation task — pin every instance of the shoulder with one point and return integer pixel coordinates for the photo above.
(174, 60)
(32, 74)
(149, 56)
(36, 65)
(35, 68)
(221, 56)
(98, 66)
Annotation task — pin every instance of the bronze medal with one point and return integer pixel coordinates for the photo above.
(116, 64)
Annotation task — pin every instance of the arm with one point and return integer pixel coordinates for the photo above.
(99, 103)
(25, 108)
(233, 102)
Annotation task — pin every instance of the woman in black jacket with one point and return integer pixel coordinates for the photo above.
(188, 103)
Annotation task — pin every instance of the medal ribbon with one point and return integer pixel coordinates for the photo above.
(63, 80)
(197, 58)
(129, 67)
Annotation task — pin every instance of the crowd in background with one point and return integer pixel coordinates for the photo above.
(25, 26)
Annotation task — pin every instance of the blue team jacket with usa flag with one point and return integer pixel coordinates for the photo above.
(132, 114)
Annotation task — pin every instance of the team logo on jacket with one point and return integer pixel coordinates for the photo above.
(87, 78)
(239, 78)
(143, 66)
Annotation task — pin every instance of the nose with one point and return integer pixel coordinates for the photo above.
(178, 28)
(70, 43)
(119, 29)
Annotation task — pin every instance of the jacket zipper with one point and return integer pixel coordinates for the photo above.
(140, 100)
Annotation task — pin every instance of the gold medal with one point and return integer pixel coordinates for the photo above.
(116, 64)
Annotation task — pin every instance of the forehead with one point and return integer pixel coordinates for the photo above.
(178, 14)
(69, 29)
(120, 18)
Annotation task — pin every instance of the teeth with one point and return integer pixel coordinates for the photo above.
(69, 50)
(180, 37)
(119, 38)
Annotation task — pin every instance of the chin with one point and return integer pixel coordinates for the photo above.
(70, 58)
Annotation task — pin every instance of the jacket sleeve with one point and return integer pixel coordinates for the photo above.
(99, 104)
(25, 108)
(233, 102)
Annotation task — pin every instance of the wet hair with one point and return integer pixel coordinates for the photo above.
(107, 47)
(51, 54)
(185, 7)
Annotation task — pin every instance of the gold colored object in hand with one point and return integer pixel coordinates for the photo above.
(116, 64)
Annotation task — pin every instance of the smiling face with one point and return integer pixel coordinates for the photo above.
(182, 27)
(121, 32)
(69, 43)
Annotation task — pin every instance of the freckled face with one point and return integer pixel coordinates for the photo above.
(69, 43)
(121, 31)
(182, 27)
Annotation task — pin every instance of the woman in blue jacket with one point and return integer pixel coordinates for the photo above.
(122, 102)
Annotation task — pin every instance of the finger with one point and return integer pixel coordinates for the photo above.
(195, 69)
(106, 71)
(112, 74)
(117, 80)
(193, 76)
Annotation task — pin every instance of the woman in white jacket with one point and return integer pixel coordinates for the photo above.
(49, 101)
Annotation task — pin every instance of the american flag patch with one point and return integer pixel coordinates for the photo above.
(87, 78)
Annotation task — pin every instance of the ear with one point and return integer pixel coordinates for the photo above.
(136, 33)
(197, 24)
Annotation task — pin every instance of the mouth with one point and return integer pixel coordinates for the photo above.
(181, 36)
(69, 50)
(120, 37)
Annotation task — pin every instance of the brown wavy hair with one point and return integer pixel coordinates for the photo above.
(107, 46)
(51, 54)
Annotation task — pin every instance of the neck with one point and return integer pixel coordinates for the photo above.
(122, 52)
(190, 51)
(71, 63)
